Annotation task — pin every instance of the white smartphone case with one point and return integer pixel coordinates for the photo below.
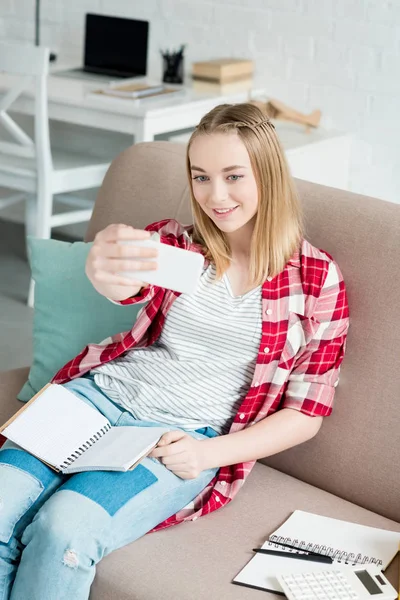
(178, 269)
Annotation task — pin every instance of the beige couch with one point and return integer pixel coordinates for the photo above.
(350, 470)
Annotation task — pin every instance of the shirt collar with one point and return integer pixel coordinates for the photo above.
(295, 259)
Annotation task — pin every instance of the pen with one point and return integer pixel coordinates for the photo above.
(311, 557)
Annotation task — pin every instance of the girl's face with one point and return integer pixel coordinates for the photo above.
(223, 181)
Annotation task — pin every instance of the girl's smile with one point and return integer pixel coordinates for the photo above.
(224, 213)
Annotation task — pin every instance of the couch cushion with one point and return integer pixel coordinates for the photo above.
(145, 183)
(355, 455)
(69, 313)
(198, 560)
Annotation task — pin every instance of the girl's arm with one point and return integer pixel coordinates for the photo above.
(280, 431)
(187, 457)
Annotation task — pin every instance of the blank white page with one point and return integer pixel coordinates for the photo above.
(56, 424)
(341, 540)
(118, 449)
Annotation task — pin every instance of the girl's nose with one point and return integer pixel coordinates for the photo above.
(219, 193)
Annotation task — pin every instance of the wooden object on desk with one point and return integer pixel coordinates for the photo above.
(223, 70)
(202, 86)
(276, 109)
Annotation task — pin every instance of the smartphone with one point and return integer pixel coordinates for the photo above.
(178, 269)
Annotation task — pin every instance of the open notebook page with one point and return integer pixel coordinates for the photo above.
(118, 450)
(340, 539)
(55, 425)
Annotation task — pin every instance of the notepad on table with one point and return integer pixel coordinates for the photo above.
(136, 91)
(345, 542)
(71, 436)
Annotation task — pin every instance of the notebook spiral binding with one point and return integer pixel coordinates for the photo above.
(68, 462)
(340, 556)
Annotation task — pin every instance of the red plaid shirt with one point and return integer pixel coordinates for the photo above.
(305, 322)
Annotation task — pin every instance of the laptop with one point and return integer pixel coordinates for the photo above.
(114, 48)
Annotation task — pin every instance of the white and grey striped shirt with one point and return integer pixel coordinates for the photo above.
(199, 370)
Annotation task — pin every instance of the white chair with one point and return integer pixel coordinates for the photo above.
(28, 166)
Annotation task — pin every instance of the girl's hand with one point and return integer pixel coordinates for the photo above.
(109, 258)
(181, 454)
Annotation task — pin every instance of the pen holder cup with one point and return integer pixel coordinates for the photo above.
(173, 69)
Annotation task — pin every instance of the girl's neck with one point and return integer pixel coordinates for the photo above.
(240, 252)
(240, 259)
(240, 242)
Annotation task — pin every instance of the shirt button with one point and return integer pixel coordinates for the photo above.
(269, 278)
(268, 311)
(223, 483)
(242, 416)
(257, 383)
(194, 518)
(217, 499)
(266, 350)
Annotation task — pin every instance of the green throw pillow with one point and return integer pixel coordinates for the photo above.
(69, 313)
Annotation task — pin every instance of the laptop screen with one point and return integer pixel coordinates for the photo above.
(116, 46)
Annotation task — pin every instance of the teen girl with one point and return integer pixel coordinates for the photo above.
(244, 368)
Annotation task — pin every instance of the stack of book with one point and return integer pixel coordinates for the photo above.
(223, 75)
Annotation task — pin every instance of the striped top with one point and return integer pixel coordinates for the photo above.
(200, 368)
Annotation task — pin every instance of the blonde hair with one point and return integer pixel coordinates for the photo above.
(278, 227)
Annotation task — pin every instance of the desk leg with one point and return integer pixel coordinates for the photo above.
(143, 133)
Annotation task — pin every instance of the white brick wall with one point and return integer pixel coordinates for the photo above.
(342, 56)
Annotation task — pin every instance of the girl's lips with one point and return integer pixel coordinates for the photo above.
(224, 215)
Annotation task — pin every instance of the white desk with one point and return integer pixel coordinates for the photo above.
(70, 101)
(320, 156)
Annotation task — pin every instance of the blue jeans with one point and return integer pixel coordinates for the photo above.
(55, 528)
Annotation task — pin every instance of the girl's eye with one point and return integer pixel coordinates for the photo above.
(200, 178)
(235, 177)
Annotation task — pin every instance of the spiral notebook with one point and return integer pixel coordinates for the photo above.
(71, 436)
(345, 542)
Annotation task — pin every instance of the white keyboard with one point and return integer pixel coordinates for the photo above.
(347, 583)
(321, 585)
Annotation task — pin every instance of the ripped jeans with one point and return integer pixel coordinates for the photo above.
(55, 528)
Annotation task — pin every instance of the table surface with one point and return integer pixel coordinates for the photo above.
(79, 92)
(72, 100)
(295, 135)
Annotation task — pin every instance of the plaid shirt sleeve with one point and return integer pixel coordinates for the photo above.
(315, 373)
(145, 294)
